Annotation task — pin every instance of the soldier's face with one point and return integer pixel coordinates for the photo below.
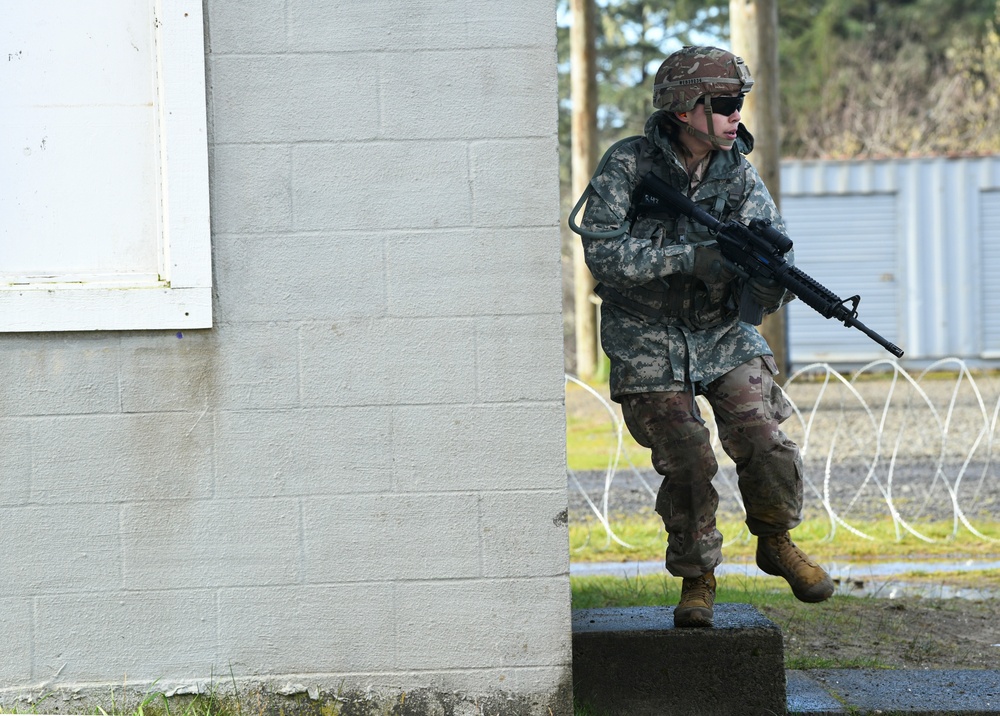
(724, 125)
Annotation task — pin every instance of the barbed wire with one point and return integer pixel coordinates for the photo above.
(877, 444)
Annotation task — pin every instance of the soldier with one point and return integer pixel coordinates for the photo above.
(670, 325)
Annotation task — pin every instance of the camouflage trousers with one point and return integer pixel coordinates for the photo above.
(749, 408)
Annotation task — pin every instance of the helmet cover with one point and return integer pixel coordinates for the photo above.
(695, 71)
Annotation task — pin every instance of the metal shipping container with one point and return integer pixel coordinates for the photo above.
(918, 239)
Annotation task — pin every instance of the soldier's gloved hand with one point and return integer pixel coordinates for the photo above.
(711, 266)
(766, 293)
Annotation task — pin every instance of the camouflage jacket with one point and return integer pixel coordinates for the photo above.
(662, 328)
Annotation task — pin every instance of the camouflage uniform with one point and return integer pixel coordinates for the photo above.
(669, 334)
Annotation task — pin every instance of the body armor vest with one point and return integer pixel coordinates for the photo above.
(680, 299)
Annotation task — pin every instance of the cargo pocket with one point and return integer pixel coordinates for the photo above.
(634, 424)
(776, 403)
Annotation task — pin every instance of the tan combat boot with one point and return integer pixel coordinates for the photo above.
(778, 555)
(697, 600)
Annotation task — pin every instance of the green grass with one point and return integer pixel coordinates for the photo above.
(980, 578)
(651, 590)
(591, 442)
(584, 709)
(154, 703)
(589, 541)
(591, 437)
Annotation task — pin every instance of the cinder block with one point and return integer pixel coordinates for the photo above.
(165, 371)
(348, 27)
(505, 342)
(300, 278)
(15, 656)
(116, 458)
(134, 635)
(255, 367)
(245, 27)
(60, 374)
(446, 94)
(523, 24)
(187, 544)
(513, 447)
(59, 548)
(487, 623)
(419, 25)
(303, 452)
(525, 534)
(391, 537)
(252, 191)
(381, 185)
(295, 98)
(454, 273)
(306, 629)
(345, 27)
(516, 183)
(388, 361)
(634, 662)
(15, 462)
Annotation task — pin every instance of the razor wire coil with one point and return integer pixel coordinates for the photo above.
(877, 444)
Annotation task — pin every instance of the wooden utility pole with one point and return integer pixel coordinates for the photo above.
(583, 93)
(754, 31)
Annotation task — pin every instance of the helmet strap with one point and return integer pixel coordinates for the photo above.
(709, 136)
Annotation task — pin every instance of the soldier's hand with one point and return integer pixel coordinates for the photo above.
(711, 266)
(766, 293)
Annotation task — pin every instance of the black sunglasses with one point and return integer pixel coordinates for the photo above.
(725, 105)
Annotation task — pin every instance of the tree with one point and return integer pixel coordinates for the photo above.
(859, 77)
(754, 31)
(632, 38)
(871, 78)
(608, 95)
(584, 159)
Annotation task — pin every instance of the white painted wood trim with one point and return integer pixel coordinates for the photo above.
(183, 144)
(105, 309)
(181, 295)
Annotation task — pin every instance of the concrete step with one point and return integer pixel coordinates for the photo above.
(860, 692)
(632, 661)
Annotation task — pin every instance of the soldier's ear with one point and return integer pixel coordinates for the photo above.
(683, 116)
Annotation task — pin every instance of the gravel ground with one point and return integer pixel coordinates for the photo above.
(928, 447)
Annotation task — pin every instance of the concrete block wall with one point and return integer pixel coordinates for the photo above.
(356, 479)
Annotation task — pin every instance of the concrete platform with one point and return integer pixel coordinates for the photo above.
(633, 661)
(859, 692)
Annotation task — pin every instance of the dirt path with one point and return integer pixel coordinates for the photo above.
(897, 634)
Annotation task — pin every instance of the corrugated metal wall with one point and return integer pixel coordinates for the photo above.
(990, 251)
(919, 239)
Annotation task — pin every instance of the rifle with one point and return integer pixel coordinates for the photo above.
(758, 251)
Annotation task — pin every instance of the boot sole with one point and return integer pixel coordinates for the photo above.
(819, 592)
(695, 617)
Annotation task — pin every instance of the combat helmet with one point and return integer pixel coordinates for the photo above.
(694, 72)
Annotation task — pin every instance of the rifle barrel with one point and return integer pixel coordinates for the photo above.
(830, 305)
(888, 345)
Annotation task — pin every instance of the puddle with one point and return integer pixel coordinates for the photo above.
(860, 580)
